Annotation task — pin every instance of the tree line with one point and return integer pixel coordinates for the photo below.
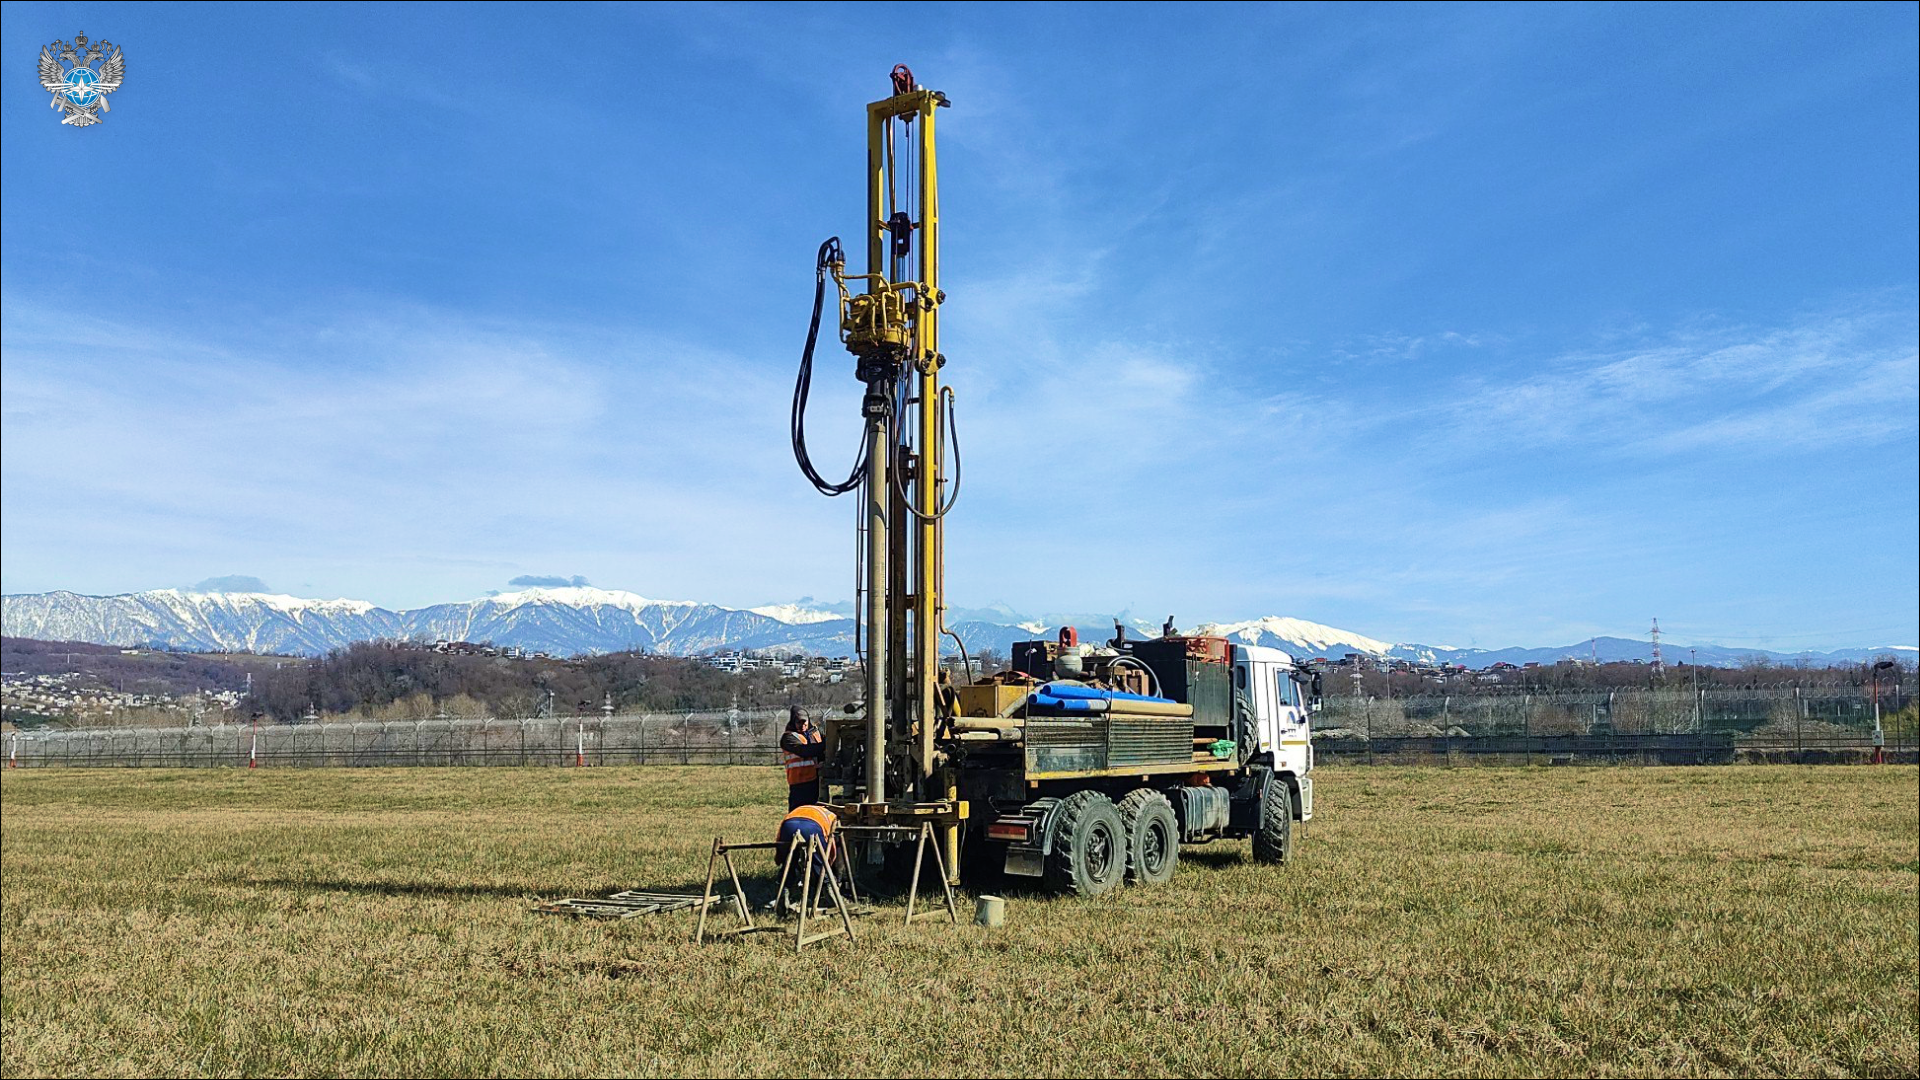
(406, 681)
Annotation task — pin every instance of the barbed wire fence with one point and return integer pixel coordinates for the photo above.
(729, 737)
(1676, 726)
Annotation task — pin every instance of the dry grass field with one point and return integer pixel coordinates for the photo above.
(1708, 921)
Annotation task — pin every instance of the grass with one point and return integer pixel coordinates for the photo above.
(1736, 920)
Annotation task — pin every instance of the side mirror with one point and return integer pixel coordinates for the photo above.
(1316, 689)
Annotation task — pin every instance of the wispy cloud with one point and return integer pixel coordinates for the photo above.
(337, 439)
(1848, 379)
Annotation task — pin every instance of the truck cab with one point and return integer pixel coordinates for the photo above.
(1282, 697)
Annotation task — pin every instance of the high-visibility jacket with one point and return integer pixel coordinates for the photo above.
(818, 815)
(800, 768)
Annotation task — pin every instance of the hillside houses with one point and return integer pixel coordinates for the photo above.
(817, 669)
(71, 694)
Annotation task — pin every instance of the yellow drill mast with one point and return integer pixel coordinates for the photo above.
(892, 329)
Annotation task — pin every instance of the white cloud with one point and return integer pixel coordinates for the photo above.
(1831, 380)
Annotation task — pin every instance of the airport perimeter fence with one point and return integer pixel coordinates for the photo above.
(1709, 726)
(1678, 726)
(732, 737)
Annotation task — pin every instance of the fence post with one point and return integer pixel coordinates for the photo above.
(1526, 725)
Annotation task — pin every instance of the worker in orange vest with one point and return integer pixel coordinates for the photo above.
(800, 823)
(816, 821)
(803, 746)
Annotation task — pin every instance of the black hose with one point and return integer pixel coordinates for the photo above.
(966, 660)
(894, 469)
(803, 385)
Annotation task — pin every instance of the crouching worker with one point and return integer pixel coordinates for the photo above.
(807, 822)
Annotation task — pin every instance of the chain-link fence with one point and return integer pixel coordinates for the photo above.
(732, 737)
(1675, 726)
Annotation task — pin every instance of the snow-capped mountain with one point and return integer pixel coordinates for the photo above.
(257, 622)
(563, 621)
(574, 620)
(799, 613)
(1299, 637)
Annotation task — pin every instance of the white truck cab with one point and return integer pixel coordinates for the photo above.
(1282, 698)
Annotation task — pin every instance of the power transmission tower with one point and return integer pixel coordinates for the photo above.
(1659, 665)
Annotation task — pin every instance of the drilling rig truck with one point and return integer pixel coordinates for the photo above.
(1085, 765)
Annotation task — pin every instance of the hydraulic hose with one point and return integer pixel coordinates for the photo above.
(953, 440)
(829, 256)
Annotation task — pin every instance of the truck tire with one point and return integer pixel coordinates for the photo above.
(1153, 836)
(1273, 841)
(1089, 855)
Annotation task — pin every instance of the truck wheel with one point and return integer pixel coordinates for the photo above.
(1089, 855)
(1273, 843)
(1153, 836)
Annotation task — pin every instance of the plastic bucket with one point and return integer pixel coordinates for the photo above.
(990, 911)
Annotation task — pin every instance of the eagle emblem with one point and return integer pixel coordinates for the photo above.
(79, 88)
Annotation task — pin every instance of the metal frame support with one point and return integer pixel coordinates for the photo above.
(723, 852)
(920, 848)
(813, 892)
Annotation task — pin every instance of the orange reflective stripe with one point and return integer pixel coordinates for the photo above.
(803, 770)
(800, 770)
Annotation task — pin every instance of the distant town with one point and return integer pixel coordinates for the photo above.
(69, 684)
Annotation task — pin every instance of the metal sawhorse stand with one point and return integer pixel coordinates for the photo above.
(813, 892)
(924, 840)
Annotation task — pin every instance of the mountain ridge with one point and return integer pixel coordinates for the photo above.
(578, 620)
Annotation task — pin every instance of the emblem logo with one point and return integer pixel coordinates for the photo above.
(79, 88)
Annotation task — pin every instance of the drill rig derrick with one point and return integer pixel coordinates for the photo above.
(888, 767)
(1090, 765)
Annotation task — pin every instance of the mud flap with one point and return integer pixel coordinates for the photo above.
(1025, 861)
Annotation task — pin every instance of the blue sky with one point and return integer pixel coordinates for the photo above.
(1460, 325)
